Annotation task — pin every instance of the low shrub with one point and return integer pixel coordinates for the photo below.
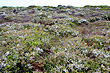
(92, 19)
(108, 17)
(75, 22)
(60, 30)
(8, 18)
(98, 42)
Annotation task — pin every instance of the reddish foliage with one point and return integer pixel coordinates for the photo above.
(35, 66)
(46, 50)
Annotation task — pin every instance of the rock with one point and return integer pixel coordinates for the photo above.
(69, 13)
(67, 9)
(74, 11)
(98, 18)
(3, 14)
(31, 11)
(82, 21)
(51, 9)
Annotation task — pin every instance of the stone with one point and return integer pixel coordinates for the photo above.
(3, 14)
(74, 11)
(31, 11)
(51, 9)
(67, 9)
(82, 21)
(69, 13)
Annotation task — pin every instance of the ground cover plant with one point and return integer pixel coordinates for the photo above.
(63, 39)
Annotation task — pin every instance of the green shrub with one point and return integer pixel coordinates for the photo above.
(72, 24)
(38, 8)
(60, 30)
(98, 42)
(108, 17)
(75, 22)
(105, 17)
(8, 18)
(32, 6)
(4, 7)
(0, 29)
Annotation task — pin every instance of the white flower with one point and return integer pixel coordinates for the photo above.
(57, 33)
(65, 70)
(17, 44)
(85, 51)
(3, 64)
(79, 61)
(43, 40)
(106, 56)
(40, 50)
(4, 42)
(71, 66)
(65, 49)
(96, 52)
(28, 64)
(102, 66)
(7, 53)
(33, 53)
(26, 54)
(68, 31)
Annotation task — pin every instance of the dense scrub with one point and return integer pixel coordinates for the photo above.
(45, 39)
